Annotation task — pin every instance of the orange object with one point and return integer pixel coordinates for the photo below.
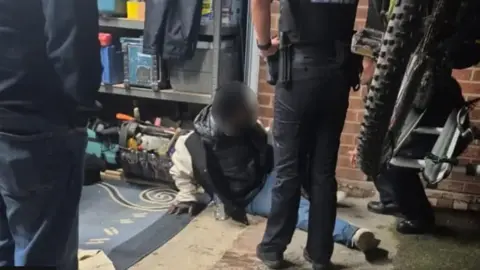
(124, 117)
(105, 39)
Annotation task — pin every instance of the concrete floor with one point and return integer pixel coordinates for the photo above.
(207, 244)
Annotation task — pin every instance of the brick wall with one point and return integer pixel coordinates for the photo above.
(459, 192)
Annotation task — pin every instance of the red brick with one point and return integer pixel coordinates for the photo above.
(265, 99)
(266, 111)
(351, 127)
(451, 186)
(471, 88)
(476, 75)
(472, 188)
(348, 139)
(464, 74)
(356, 103)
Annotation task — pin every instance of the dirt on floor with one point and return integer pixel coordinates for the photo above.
(454, 246)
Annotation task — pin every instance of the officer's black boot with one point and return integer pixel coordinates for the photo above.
(271, 260)
(307, 258)
(415, 226)
(379, 207)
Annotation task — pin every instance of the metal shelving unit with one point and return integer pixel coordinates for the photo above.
(167, 94)
(139, 25)
(171, 94)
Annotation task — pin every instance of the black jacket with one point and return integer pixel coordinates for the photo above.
(234, 168)
(172, 28)
(49, 61)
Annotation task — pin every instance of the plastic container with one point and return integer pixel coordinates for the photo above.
(136, 10)
(117, 8)
(112, 60)
(140, 69)
(195, 75)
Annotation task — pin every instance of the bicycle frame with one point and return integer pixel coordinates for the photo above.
(440, 162)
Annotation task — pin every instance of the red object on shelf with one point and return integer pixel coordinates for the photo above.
(105, 39)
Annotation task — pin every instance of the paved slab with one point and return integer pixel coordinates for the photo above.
(197, 247)
(242, 254)
(207, 244)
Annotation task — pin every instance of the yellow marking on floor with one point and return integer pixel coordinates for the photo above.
(111, 231)
(126, 221)
(97, 241)
(139, 215)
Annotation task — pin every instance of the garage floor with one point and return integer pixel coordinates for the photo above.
(207, 244)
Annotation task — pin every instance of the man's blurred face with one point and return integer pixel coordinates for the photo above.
(237, 123)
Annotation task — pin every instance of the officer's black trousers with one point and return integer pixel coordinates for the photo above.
(309, 115)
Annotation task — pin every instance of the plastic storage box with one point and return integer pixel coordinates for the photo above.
(117, 8)
(136, 10)
(112, 60)
(142, 70)
(196, 74)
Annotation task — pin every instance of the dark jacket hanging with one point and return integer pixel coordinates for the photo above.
(172, 28)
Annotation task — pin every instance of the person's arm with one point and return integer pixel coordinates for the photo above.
(182, 172)
(71, 30)
(261, 18)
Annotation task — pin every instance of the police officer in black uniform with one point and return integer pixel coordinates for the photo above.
(316, 72)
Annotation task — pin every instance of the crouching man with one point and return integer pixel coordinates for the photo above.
(227, 158)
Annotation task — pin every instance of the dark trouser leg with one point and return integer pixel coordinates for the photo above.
(41, 183)
(7, 247)
(323, 184)
(287, 135)
(410, 194)
(308, 119)
(385, 190)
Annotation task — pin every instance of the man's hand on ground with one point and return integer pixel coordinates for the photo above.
(239, 215)
(190, 208)
(368, 70)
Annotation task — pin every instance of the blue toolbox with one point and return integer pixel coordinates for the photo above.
(112, 60)
(116, 8)
(140, 69)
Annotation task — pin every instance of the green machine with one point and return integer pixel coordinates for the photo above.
(101, 152)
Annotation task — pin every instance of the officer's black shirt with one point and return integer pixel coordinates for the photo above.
(49, 57)
(318, 21)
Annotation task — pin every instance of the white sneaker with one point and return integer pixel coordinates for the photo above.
(341, 195)
(365, 240)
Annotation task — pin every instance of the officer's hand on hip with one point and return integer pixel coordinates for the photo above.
(368, 70)
(353, 157)
(190, 208)
(272, 49)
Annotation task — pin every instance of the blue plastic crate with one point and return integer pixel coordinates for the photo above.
(112, 62)
(112, 7)
(140, 69)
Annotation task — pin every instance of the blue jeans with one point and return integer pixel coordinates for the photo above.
(41, 178)
(261, 204)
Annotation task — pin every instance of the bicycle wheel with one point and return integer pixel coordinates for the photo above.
(398, 43)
